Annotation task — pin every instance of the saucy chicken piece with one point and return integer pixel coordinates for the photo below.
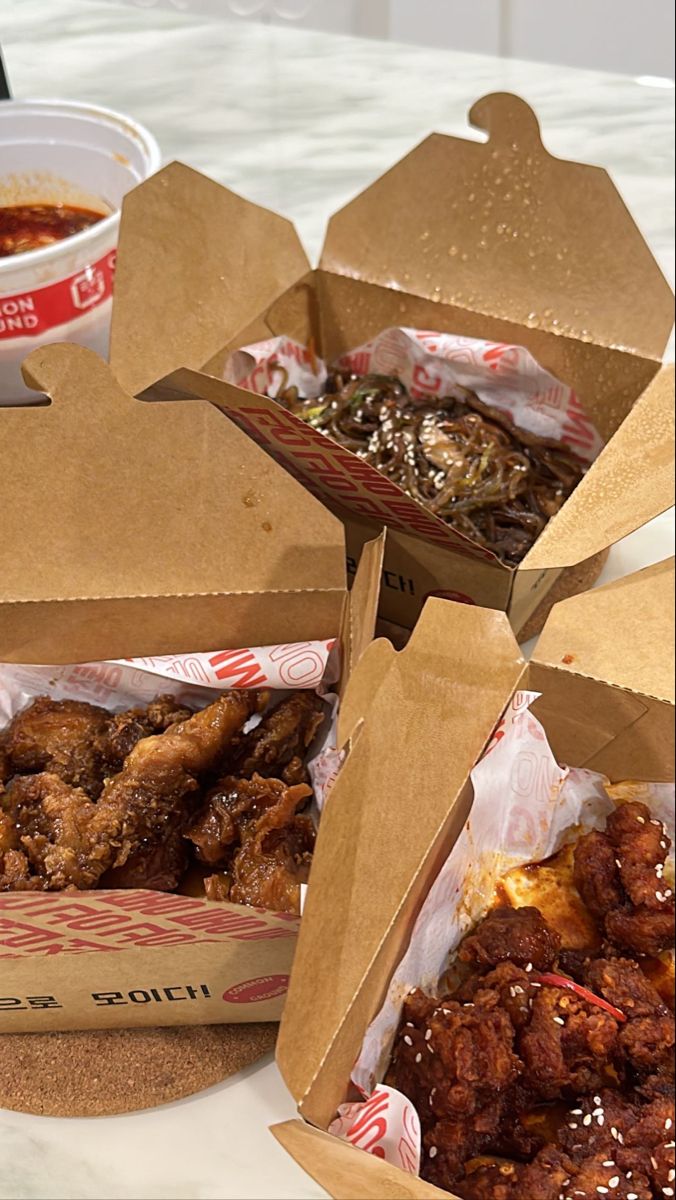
(217, 829)
(276, 853)
(566, 1044)
(454, 1061)
(60, 832)
(60, 737)
(123, 730)
(159, 865)
(647, 1039)
(520, 935)
(620, 876)
(278, 745)
(70, 841)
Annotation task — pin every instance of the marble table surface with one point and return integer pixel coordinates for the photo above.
(297, 121)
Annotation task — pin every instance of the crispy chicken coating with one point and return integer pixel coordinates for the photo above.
(520, 935)
(620, 876)
(275, 847)
(69, 841)
(60, 737)
(278, 745)
(123, 730)
(647, 1040)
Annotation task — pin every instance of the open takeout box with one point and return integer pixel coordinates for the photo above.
(134, 529)
(494, 239)
(415, 723)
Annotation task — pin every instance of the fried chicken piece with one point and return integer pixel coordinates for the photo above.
(643, 931)
(619, 875)
(158, 865)
(648, 1147)
(278, 745)
(217, 829)
(519, 934)
(160, 777)
(59, 737)
(276, 852)
(566, 1044)
(514, 988)
(123, 730)
(596, 875)
(647, 1040)
(70, 842)
(641, 846)
(61, 832)
(454, 1062)
(217, 887)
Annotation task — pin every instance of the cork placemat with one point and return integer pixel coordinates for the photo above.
(571, 582)
(100, 1073)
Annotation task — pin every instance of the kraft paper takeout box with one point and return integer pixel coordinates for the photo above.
(133, 529)
(494, 239)
(415, 723)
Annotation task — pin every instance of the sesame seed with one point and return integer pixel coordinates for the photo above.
(660, 896)
(663, 845)
(620, 1139)
(428, 1035)
(529, 966)
(430, 1048)
(597, 1099)
(670, 1145)
(601, 1120)
(559, 1021)
(518, 990)
(410, 1025)
(668, 1191)
(613, 1132)
(418, 1058)
(668, 893)
(433, 1152)
(653, 1163)
(618, 863)
(573, 1126)
(632, 1196)
(597, 1112)
(408, 1040)
(641, 820)
(512, 992)
(668, 1123)
(576, 1112)
(672, 1176)
(609, 1163)
(587, 1121)
(654, 821)
(614, 1182)
(603, 1190)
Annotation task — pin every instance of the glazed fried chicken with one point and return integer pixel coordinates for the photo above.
(547, 1075)
(278, 745)
(620, 876)
(253, 828)
(520, 935)
(70, 841)
(60, 737)
(123, 730)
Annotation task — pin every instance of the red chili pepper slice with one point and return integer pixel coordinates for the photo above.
(583, 993)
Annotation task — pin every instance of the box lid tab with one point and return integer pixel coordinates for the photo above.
(195, 264)
(503, 228)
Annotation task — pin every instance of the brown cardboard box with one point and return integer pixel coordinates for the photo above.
(415, 723)
(134, 529)
(494, 239)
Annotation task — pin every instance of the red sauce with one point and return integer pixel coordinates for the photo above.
(26, 227)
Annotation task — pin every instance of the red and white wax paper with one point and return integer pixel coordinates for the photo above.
(386, 1124)
(542, 807)
(429, 364)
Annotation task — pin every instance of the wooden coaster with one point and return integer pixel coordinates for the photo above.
(99, 1073)
(571, 582)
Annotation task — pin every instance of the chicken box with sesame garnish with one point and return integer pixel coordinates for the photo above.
(175, 635)
(476, 363)
(502, 1025)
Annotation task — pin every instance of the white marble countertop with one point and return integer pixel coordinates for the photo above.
(299, 122)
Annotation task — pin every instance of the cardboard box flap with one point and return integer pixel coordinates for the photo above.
(346, 1172)
(363, 601)
(375, 830)
(631, 481)
(195, 263)
(134, 500)
(640, 657)
(505, 229)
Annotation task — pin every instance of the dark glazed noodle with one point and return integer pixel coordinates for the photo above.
(465, 462)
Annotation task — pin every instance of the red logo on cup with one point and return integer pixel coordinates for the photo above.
(459, 597)
(252, 991)
(88, 288)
